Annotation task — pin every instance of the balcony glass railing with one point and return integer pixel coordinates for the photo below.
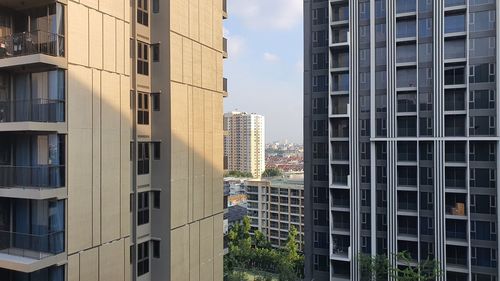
(31, 246)
(407, 230)
(341, 180)
(341, 225)
(456, 234)
(342, 203)
(340, 156)
(412, 206)
(30, 43)
(46, 176)
(406, 6)
(407, 181)
(456, 260)
(339, 36)
(450, 3)
(34, 110)
(455, 183)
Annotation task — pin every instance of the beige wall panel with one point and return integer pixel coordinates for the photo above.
(78, 34)
(208, 68)
(187, 59)
(179, 16)
(126, 259)
(197, 64)
(208, 155)
(96, 157)
(94, 4)
(207, 249)
(219, 72)
(125, 155)
(109, 44)
(95, 39)
(128, 60)
(79, 151)
(110, 189)
(179, 254)
(89, 265)
(218, 247)
(120, 46)
(74, 267)
(191, 190)
(217, 24)
(110, 266)
(218, 153)
(127, 9)
(116, 8)
(194, 20)
(180, 151)
(199, 157)
(194, 251)
(206, 22)
(176, 57)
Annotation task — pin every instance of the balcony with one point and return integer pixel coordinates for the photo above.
(451, 3)
(224, 9)
(33, 110)
(406, 6)
(33, 35)
(224, 87)
(340, 247)
(224, 48)
(32, 234)
(32, 166)
(31, 43)
(31, 252)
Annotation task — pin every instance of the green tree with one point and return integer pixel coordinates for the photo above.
(260, 240)
(237, 276)
(272, 172)
(238, 174)
(378, 267)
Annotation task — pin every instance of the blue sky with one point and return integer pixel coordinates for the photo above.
(264, 68)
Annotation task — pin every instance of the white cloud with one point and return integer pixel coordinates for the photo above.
(268, 14)
(269, 57)
(236, 45)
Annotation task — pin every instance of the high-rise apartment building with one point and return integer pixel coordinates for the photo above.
(274, 206)
(111, 140)
(244, 143)
(401, 137)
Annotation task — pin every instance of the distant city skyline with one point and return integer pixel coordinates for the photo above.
(266, 62)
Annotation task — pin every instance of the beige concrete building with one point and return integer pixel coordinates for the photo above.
(275, 205)
(111, 137)
(244, 143)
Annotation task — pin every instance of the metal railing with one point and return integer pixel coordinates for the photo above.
(33, 110)
(44, 176)
(34, 246)
(30, 43)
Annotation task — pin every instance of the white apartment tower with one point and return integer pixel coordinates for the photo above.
(244, 143)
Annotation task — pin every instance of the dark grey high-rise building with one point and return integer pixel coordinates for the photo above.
(401, 138)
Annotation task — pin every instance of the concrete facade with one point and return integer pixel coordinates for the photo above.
(244, 143)
(274, 206)
(116, 140)
(401, 139)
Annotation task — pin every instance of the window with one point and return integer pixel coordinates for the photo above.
(156, 6)
(156, 150)
(143, 208)
(155, 101)
(142, 12)
(143, 258)
(143, 158)
(156, 249)
(143, 109)
(156, 52)
(142, 58)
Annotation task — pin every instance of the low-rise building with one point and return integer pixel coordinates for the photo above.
(275, 205)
